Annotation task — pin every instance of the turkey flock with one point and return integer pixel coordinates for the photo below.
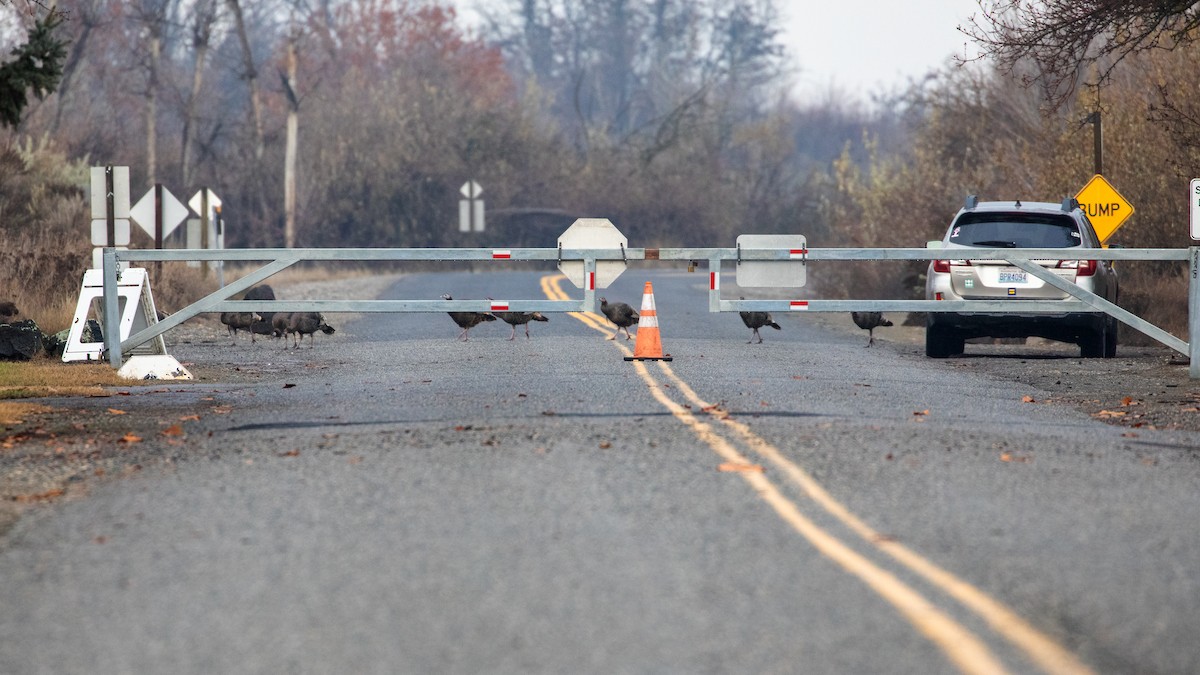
(620, 314)
(276, 324)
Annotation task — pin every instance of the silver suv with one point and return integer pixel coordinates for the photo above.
(1019, 225)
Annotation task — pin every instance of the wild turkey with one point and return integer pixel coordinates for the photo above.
(869, 321)
(467, 320)
(515, 319)
(756, 320)
(279, 326)
(8, 311)
(261, 292)
(620, 314)
(235, 321)
(307, 323)
(262, 320)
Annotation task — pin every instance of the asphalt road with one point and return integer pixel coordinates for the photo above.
(396, 501)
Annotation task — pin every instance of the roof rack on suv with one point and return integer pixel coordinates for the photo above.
(971, 202)
(1070, 204)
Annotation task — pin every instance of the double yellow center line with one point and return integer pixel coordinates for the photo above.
(963, 648)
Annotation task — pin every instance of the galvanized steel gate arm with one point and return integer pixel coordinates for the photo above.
(280, 259)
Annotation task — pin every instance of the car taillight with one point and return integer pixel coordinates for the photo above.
(943, 266)
(1083, 268)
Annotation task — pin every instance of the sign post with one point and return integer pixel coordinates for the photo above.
(1104, 206)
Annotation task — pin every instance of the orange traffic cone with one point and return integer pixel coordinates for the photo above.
(649, 344)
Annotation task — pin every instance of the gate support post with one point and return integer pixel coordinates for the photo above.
(112, 309)
(1194, 312)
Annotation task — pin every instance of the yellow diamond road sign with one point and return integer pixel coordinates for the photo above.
(1104, 206)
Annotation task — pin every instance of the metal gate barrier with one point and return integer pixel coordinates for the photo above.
(281, 259)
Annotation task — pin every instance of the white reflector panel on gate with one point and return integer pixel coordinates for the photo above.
(788, 273)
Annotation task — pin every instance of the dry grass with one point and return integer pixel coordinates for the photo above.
(50, 377)
(15, 413)
(1160, 298)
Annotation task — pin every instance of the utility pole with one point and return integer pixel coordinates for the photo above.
(1097, 141)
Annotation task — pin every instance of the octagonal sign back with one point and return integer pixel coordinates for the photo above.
(587, 233)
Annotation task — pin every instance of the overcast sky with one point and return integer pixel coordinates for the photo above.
(859, 47)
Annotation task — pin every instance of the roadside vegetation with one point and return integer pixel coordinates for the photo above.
(675, 124)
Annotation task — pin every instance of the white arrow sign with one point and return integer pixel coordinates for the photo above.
(196, 202)
(173, 212)
(470, 210)
(471, 189)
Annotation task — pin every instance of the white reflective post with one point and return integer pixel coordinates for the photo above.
(1194, 313)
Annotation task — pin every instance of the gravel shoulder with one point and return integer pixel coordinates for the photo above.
(1144, 387)
(55, 448)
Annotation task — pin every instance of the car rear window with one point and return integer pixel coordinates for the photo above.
(1016, 230)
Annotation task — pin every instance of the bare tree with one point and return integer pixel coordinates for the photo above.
(250, 74)
(152, 15)
(1063, 38)
(204, 16)
(292, 141)
(87, 15)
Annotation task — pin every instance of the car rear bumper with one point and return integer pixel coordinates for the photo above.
(1066, 327)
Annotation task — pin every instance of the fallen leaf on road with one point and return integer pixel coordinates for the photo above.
(288, 385)
(1027, 399)
(921, 413)
(1009, 457)
(114, 411)
(190, 418)
(1128, 400)
(604, 445)
(289, 453)
(130, 438)
(739, 467)
(173, 430)
(1110, 413)
(40, 497)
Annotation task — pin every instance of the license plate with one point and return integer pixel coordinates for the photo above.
(1013, 277)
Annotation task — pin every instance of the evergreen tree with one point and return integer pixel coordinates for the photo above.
(36, 66)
